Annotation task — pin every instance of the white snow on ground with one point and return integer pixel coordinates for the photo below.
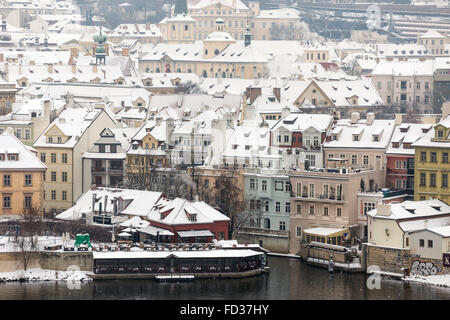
(436, 280)
(45, 275)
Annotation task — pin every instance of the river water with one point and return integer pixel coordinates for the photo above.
(289, 279)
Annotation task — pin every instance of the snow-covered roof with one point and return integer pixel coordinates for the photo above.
(25, 159)
(414, 209)
(218, 253)
(136, 202)
(299, 122)
(427, 139)
(366, 133)
(200, 4)
(404, 135)
(323, 231)
(178, 212)
(404, 68)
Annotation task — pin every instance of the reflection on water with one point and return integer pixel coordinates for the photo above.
(288, 279)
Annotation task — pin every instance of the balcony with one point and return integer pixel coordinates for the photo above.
(98, 170)
(331, 198)
(115, 169)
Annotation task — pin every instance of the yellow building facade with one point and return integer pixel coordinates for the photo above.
(432, 167)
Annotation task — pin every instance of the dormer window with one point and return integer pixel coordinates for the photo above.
(13, 157)
(193, 217)
(50, 139)
(375, 138)
(235, 146)
(440, 134)
(355, 137)
(395, 144)
(59, 140)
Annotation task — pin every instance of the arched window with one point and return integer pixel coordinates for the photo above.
(204, 74)
(224, 75)
(206, 52)
(157, 70)
(216, 52)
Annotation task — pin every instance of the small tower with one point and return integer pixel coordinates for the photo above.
(247, 36)
(100, 51)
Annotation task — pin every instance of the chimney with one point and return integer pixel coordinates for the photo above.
(384, 209)
(106, 202)
(125, 52)
(445, 109)
(398, 119)
(277, 93)
(355, 117)
(94, 68)
(369, 118)
(115, 206)
(285, 112)
(94, 196)
(74, 68)
(253, 93)
(50, 68)
(147, 26)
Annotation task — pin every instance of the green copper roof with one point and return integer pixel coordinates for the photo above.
(180, 7)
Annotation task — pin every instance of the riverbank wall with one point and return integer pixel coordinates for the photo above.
(47, 260)
(399, 261)
(272, 240)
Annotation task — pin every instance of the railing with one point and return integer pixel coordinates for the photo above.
(115, 169)
(324, 197)
(94, 169)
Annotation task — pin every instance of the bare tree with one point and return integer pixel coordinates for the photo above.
(189, 87)
(26, 235)
(228, 198)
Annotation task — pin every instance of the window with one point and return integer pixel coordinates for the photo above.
(325, 211)
(43, 156)
(27, 202)
(277, 206)
(64, 195)
(311, 209)
(19, 133)
(299, 208)
(7, 202)
(430, 243)
(433, 157)
(64, 177)
(398, 164)
(368, 206)
(53, 155)
(287, 207)
(432, 179)
(264, 185)
(53, 194)
(50, 139)
(418, 85)
(407, 242)
(421, 243)
(311, 159)
(27, 134)
(53, 176)
(6, 180)
(286, 138)
(423, 179)
(28, 179)
(354, 159)
(288, 187)
(339, 212)
(366, 160)
(299, 231)
(444, 157)
(445, 180)
(311, 190)
(423, 156)
(279, 186)
(64, 158)
(252, 184)
(59, 140)
(282, 225)
(440, 134)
